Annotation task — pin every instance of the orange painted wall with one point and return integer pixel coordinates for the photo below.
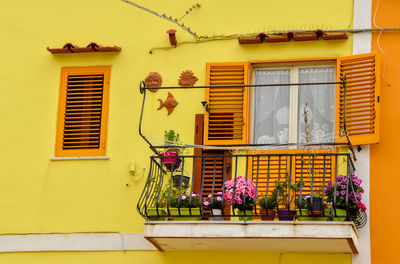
(385, 156)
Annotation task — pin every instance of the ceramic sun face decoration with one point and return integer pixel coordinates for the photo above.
(187, 78)
(170, 103)
(153, 79)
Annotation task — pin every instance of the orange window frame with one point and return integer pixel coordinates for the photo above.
(82, 70)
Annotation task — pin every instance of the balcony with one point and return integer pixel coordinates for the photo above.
(308, 197)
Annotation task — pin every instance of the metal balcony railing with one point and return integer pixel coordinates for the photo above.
(304, 186)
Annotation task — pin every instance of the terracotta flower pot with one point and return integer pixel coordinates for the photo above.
(306, 216)
(269, 212)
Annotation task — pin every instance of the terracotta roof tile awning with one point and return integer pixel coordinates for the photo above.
(316, 35)
(92, 47)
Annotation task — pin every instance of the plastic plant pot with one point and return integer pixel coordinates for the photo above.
(170, 160)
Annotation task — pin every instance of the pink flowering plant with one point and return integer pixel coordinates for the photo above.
(179, 197)
(214, 202)
(241, 193)
(354, 197)
(186, 199)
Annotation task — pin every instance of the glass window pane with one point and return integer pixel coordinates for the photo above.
(271, 107)
(320, 100)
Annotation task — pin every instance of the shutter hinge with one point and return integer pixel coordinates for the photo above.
(378, 99)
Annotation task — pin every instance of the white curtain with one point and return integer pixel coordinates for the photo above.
(271, 107)
(320, 100)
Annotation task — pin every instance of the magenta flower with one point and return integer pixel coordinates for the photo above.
(242, 187)
(346, 187)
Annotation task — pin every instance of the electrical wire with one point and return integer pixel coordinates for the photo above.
(379, 45)
(234, 36)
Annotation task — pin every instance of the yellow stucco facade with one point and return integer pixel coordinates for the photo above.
(41, 195)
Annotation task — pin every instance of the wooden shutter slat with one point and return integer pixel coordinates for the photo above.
(225, 123)
(85, 83)
(82, 88)
(362, 86)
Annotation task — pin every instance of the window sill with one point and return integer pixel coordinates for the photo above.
(332, 237)
(82, 158)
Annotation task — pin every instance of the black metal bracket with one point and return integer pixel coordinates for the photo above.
(204, 103)
(142, 87)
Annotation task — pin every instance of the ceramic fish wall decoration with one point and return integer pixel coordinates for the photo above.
(170, 103)
(187, 78)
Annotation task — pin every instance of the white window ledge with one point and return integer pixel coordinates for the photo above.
(327, 237)
(82, 158)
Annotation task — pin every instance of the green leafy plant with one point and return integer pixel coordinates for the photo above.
(302, 202)
(270, 204)
(183, 200)
(282, 190)
(171, 138)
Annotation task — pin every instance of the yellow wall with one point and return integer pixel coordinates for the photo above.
(385, 167)
(38, 195)
(173, 257)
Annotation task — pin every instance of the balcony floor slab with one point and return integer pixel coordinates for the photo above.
(299, 236)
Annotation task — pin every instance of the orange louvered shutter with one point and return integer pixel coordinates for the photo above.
(214, 171)
(312, 169)
(226, 118)
(82, 114)
(267, 169)
(362, 102)
(315, 171)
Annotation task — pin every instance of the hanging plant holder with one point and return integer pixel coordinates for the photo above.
(360, 219)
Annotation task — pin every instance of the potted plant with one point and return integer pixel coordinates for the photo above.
(304, 213)
(181, 203)
(188, 206)
(314, 202)
(241, 193)
(281, 194)
(301, 210)
(339, 194)
(215, 203)
(267, 205)
(170, 159)
(180, 179)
